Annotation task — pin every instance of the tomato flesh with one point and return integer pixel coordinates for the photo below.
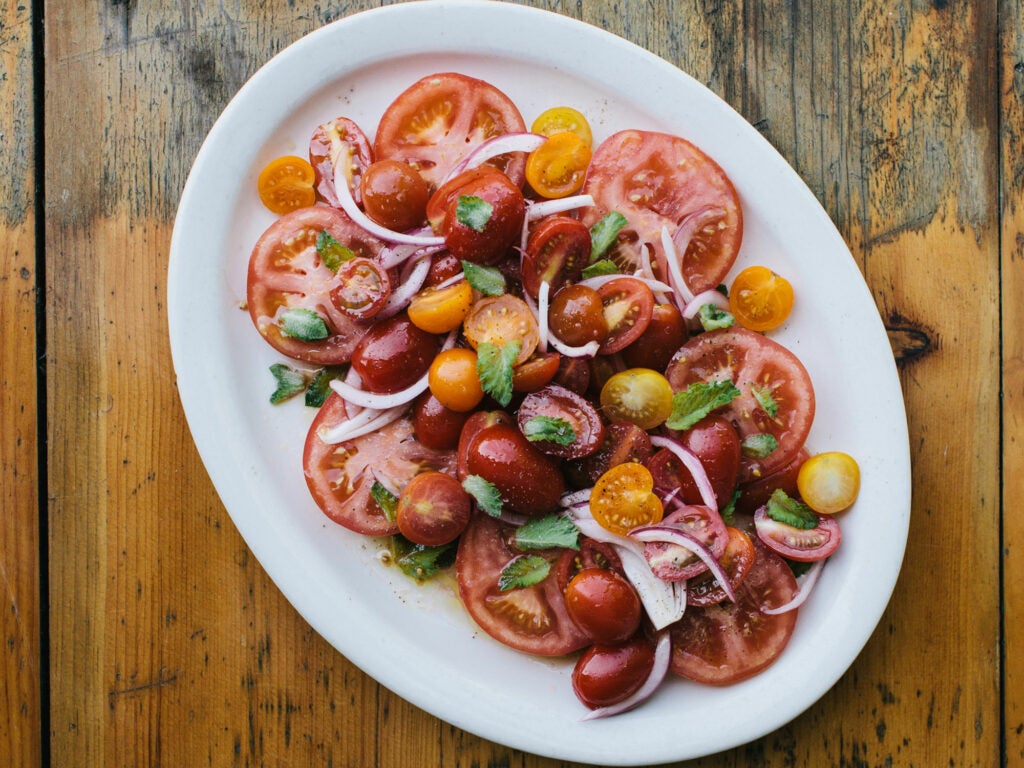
(556, 253)
(341, 144)
(802, 545)
(555, 402)
(627, 305)
(622, 499)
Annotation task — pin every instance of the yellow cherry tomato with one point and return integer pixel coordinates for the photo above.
(638, 395)
(453, 380)
(829, 482)
(561, 119)
(286, 184)
(759, 299)
(558, 167)
(439, 310)
(623, 498)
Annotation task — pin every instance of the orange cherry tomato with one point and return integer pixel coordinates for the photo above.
(559, 166)
(439, 310)
(500, 319)
(453, 380)
(760, 299)
(561, 119)
(286, 184)
(623, 499)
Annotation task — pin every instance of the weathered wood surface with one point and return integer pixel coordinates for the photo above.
(167, 642)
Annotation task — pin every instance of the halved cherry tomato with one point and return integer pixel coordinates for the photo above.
(439, 119)
(656, 180)
(286, 184)
(665, 334)
(622, 499)
(794, 543)
(604, 605)
(628, 306)
(672, 562)
(712, 440)
(454, 381)
(623, 442)
(576, 315)
(558, 167)
(536, 372)
(556, 253)
(737, 560)
(829, 482)
(476, 422)
(759, 299)
(608, 674)
(757, 492)
(558, 402)
(433, 509)
(639, 395)
(439, 310)
(394, 195)
(561, 119)
(339, 141)
(362, 289)
(285, 272)
(501, 319)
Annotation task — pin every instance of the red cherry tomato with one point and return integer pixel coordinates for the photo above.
(558, 402)
(604, 605)
(473, 425)
(530, 482)
(433, 509)
(608, 674)
(340, 139)
(756, 492)
(576, 316)
(362, 288)
(665, 334)
(482, 218)
(440, 119)
(394, 354)
(799, 544)
(623, 442)
(285, 272)
(627, 306)
(716, 444)
(556, 253)
(536, 372)
(737, 560)
(395, 195)
(656, 180)
(437, 426)
(672, 562)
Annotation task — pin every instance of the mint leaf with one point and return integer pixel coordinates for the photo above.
(523, 571)
(729, 509)
(494, 368)
(758, 446)
(290, 382)
(385, 499)
(764, 398)
(473, 211)
(488, 280)
(549, 429)
(713, 317)
(332, 253)
(604, 232)
(546, 532)
(421, 562)
(782, 508)
(320, 387)
(303, 324)
(697, 401)
(484, 494)
(599, 268)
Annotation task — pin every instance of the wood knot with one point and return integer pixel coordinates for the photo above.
(908, 342)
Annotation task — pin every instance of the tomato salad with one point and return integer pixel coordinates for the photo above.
(528, 368)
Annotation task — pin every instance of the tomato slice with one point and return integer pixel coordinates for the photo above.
(362, 288)
(558, 167)
(628, 307)
(556, 253)
(557, 402)
(798, 544)
(728, 642)
(336, 139)
(340, 476)
(765, 373)
(622, 499)
(737, 560)
(657, 180)
(285, 272)
(501, 319)
(536, 372)
(438, 120)
(672, 562)
(531, 619)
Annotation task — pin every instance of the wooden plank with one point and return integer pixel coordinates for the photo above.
(20, 700)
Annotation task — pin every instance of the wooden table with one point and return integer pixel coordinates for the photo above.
(139, 631)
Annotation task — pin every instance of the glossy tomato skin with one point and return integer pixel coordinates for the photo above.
(665, 334)
(489, 243)
(436, 426)
(394, 354)
(395, 195)
(536, 372)
(339, 139)
(529, 482)
(443, 266)
(285, 272)
(608, 674)
(556, 252)
(433, 509)
(805, 546)
(560, 403)
(530, 619)
(473, 425)
(656, 180)
(574, 373)
(623, 441)
(604, 605)
(362, 288)
(627, 305)
(755, 493)
(576, 316)
(714, 441)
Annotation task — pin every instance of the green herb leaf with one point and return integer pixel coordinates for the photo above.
(798, 568)
(549, 429)
(473, 211)
(604, 232)
(758, 446)
(599, 268)
(290, 382)
(303, 324)
(546, 532)
(729, 509)
(385, 499)
(484, 494)
(523, 571)
(332, 253)
(494, 367)
(421, 562)
(723, 289)
(488, 280)
(320, 386)
(783, 508)
(764, 398)
(713, 317)
(698, 400)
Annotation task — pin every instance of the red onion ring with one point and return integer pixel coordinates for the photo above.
(368, 420)
(662, 658)
(499, 145)
(544, 208)
(693, 464)
(670, 535)
(806, 585)
(713, 296)
(411, 281)
(597, 282)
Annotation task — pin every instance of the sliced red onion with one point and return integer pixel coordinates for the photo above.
(380, 401)
(408, 287)
(587, 350)
(647, 271)
(662, 659)
(807, 583)
(671, 535)
(575, 497)
(368, 420)
(675, 271)
(544, 208)
(692, 463)
(499, 145)
(389, 486)
(349, 205)
(542, 315)
(713, 296)
(353, 379)
(391, 257)
(599, 280)
(458, 277)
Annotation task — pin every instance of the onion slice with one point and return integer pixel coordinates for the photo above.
(573, 498)
(692, 463)
(499, 145)
(807, 583)
(672, 535)
(662, 658)
(547, 336)
(713, 296)
(544, 208)
(647, 271)
(368, 420)
(656, 286)
(379, 401)
(411, 282)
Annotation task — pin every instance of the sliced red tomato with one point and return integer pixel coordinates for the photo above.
(628, 307)
(340, 139)
(285, 272)
(362, 288)
(340, 476)
(737, 560)
(657, 180)
(803, 545)
(672, 562)
(530, 619)
(569, 410)
(556, 253)
(728, 642)
(769, 377)
(438, 120)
